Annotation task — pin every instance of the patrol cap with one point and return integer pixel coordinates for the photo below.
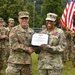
(23, 14)
(43, 26)
(51, 16)
(1, 19)
(10, 20)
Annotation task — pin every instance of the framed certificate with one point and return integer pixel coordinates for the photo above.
(38, 39)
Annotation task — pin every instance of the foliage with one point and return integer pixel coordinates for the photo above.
(30, 8)
(53, 6)
(10, 8)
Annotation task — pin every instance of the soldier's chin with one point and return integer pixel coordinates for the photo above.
(49, 25)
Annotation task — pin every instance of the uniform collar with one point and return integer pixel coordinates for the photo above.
(22, 29)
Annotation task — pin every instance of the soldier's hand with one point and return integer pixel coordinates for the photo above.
(4, 36)
(30, 50)
(42, 46)
(11, 34)
(73, 33)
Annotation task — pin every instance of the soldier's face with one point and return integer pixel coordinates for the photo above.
(24, 22)
(50, 24)
(11, 24)
(43, 28)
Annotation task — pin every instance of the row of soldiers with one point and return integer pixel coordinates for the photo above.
(4, 42)
(69, 52)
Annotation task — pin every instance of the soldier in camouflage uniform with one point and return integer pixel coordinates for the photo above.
(10, 26)
(67, 52)
(3, 40)
(73, 43)
(73, 49)
(50, 57)
(43, 27)
(19, 61)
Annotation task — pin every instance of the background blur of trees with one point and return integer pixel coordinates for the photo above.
(10, 8)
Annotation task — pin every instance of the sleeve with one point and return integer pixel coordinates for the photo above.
(14, 43)
(0, 36)
(57, 48)
(7, 33)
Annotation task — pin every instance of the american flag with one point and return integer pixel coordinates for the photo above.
(70, 1)
(63, 18)
(68, 15)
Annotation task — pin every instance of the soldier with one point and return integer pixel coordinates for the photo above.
(73, 49)
(10, 26)
(73, 43)
(50, 57)
(3, 39)
(67, 52)
(19, 61)
(43, 27)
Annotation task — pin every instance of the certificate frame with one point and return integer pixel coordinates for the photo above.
(39, 38)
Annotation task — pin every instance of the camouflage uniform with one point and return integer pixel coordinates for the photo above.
(50, 57)
(19, 61)
(3, 44)
(11, 25)
(7, 47)
(73, 50)
(67, 52)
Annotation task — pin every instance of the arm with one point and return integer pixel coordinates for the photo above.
(4, 34)
(58, 48)
(16, 44)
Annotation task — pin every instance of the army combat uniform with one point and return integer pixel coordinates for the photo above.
(10, 26)
(3, 44)
(73, 50)
(67, 52)
(7, 45)
(19, 61)
(50, 57)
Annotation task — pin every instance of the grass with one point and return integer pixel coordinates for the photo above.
(35, 63)
(68, 70)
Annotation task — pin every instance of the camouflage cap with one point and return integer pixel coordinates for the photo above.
(23, 14)
(43, 26)
(10, 20)
(51, 16)
(1, 19)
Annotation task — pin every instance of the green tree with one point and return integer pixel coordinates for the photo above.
(10, 8)
(53, 6)
(29, 7)
(33, 14)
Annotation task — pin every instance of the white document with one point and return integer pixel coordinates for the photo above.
(38, 39)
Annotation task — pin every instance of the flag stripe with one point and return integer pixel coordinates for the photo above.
(70, 14)
(67, 16)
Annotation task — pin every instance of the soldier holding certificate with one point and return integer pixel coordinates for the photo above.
(50, 57)
(19, 61)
